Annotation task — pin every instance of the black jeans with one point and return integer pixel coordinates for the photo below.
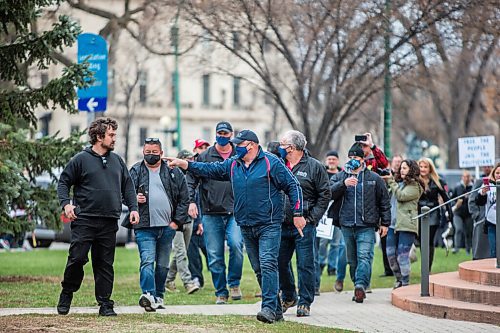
(383, 245)
(99, 236)
(196, 244)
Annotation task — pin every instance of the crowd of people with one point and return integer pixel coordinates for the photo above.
(269, 202)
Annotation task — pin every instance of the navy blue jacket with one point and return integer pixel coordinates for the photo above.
(256, 189)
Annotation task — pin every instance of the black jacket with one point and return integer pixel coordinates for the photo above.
(375, 200)
(430, 197)
(98, 186)
(316, 194)
(216, 195)
(174, 183)
(463, 210)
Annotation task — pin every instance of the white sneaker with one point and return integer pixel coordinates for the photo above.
(159, 303)
(147, 301)
(4, 244)
(170, 286)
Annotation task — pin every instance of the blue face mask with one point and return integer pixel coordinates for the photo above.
(352, 165)
(241, 151)
(282, 152)
(222, 140)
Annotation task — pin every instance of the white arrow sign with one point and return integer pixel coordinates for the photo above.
(91, 104)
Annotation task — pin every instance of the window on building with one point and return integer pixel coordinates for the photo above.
(206, 134)
(236, 40)
(206, 90)
(143, 87)
(236, 90)
(44, 79)
(74, 128)
(143, 135)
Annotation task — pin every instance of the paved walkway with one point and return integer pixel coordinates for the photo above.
(376, 314)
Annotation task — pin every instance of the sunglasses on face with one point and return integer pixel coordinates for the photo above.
(152, 140)
(104, 162)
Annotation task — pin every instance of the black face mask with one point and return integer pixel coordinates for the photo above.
(151, 159)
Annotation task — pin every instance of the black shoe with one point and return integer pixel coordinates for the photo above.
(359, 294)
(332, 272)
(279, 318)
(317, 293)
(266, 316)
(64, 303)
(106, 310)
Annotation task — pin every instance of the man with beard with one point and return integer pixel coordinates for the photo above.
(100, 180)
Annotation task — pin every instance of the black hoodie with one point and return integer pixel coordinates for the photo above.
(99, 183)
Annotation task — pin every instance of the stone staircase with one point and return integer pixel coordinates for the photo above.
(471, 294)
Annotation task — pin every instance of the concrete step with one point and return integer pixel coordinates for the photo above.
(480, 271)
(409, 299)
(450, 286)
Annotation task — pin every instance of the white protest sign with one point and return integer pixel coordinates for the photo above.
(476, 151)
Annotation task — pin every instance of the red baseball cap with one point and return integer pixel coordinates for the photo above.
(200, 142)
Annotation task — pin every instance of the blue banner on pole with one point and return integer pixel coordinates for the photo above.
(93, 49)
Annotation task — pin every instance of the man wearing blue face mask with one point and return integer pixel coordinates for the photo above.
(361, 205)
(257, 178)
(218, 218)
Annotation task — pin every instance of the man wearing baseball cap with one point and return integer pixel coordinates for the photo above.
(218, 218)
(257, 178)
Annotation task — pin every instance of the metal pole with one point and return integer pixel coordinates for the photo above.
(387, 83)
(176, 80)
(497, 188)
(424, 251)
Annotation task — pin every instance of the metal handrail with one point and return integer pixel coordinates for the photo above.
(447, 202)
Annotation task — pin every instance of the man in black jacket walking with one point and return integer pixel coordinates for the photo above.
(315, 186)
(218, 218)
(361, 205)
(163, 200)
(100, 180)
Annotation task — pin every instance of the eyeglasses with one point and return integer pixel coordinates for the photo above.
(104, 162)
(285, 145)
(151, 140)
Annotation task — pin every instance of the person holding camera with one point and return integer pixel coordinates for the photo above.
(375, 159)
(163, 199)
(487, 197)
(100, 180)
(361, 205)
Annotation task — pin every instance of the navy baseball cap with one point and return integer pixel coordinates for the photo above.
(245, 135)
(223, 126)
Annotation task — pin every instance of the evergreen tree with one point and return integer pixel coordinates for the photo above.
(22, 156)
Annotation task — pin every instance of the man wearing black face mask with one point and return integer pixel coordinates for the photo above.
(163, 201)
(218, 218)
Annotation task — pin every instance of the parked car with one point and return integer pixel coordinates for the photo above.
(121, 235)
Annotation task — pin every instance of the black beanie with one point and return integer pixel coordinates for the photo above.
(332, 153)
(356, 150)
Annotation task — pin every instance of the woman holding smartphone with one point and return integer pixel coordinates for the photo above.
(488, 197)
(406, 189)
(435, 189)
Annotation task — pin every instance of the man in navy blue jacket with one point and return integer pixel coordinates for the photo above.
(257, 178)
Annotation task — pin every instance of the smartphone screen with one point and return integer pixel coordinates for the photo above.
(360, 138)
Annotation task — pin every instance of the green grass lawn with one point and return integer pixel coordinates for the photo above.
(32, 279)
(150, 323)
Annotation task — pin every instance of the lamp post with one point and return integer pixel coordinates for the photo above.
(175, 43)
(387, 82)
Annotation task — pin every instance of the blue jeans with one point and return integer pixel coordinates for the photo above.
(336, 254)
(154, 246)
(359, 247)
(263, 251)
(304, 247)
(398, 253)
(217, 228)
(492, 238)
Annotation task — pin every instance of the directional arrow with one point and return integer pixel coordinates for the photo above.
(91, 105)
